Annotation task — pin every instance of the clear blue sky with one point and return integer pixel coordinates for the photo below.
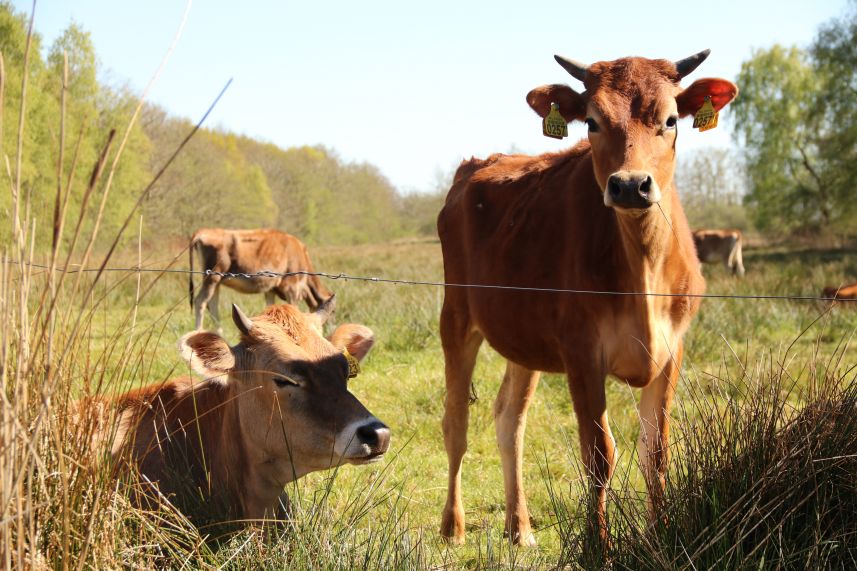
(410, 87)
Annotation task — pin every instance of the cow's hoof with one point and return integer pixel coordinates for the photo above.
(526, 540)
(452, 529)
(522, 538)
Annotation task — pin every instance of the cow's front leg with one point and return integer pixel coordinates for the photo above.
(652, 447)
(460, 346)
(284, 507)
(510, 419)
(597, 445)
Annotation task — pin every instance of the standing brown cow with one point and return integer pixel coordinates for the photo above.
(603, 215)
(270, 409)
(724, 246)
(250, 252)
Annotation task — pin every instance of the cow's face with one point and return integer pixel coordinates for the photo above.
(631, 107)
(290, 387)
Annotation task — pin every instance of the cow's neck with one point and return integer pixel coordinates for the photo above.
(647, 240)
(230, 462)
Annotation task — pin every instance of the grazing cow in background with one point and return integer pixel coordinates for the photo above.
(842, 292)
(603, 215)
(714, 246)
(271, 409)
(249, 252)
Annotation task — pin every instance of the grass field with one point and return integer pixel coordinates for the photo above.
(388, 516)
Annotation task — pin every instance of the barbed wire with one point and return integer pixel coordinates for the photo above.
(395, 281)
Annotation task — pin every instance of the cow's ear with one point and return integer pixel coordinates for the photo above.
(572, 105)
(358, 339)
(691, 99)
(208, 354)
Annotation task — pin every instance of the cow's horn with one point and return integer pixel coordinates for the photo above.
(687, 65)
(575, 68)
(325, 310)
(242, 322)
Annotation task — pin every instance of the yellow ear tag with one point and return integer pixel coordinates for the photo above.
(554, 125)
(706, 117)
(353, 364)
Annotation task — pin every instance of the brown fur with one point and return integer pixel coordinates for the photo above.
(842, 292)
(250, 252)
(541, 222)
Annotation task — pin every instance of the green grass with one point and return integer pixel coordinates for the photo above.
(388, 516)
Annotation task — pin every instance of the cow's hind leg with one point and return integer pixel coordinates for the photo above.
(510, 419)
(203, 297)
(652, 447)
(737, 261)
(460, 346)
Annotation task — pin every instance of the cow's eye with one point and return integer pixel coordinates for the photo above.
(672, 120)
(593, 126)
(282, 381)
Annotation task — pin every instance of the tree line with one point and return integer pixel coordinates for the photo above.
(219, 179)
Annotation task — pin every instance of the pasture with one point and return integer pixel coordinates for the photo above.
(743, 358)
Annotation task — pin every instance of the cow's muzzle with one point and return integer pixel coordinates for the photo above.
(368, 443)
(631, 189)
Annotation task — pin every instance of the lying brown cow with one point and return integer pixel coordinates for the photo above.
(603, 215)
(842, 292)
(249, 252)
(271, 409)
(714, 246)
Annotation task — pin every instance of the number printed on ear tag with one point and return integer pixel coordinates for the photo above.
(706, 117)
(554, 125)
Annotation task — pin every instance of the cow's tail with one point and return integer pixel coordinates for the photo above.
(191, 250)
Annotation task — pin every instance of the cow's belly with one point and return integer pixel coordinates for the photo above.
(712, 257)
(251, 285)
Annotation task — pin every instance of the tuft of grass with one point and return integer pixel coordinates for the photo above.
(762, 476)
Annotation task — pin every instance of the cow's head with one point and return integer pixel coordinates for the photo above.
(632, 107)
(290, 386)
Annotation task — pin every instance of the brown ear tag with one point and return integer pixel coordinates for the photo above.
(706, 117)
(554, 125)
(353, 364)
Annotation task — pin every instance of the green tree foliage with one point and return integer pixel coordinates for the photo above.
(795, 118)
(210, 184)
(322, 199)
(834, 53)
(712, 184)
(36, 163)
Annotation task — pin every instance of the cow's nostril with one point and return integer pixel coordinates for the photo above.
(646, 186)
(613, 187)
(373, 433)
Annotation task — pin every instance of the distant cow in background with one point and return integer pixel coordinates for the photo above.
(714, 246)
(842, 292)
(250, 252)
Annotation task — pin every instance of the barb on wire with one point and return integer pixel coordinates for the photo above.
(375, 279)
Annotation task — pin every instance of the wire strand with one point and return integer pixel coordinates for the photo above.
(375, 279)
